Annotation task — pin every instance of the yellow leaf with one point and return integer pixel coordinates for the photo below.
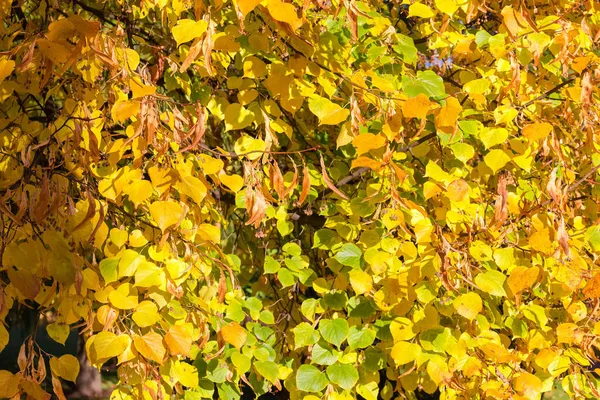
(125, 297)
(66, 367)
(250, 147)
(368, 141)
(209, 165)
(366, 162)
(210, 233)
(416, 107)
(122, 110)
(138, 191)
(6, 68)
(148, 275)
(537, 131)
(458, 190)
(496, 159)
(361, 281)
(468, 305)
(402, 329)
(106, 345)
(57, 331)
(139, 89)
(568, 333)
(528, 385)
(233, 182)
(188, 29)
(185, 374)
(237, 117)
(328, 112)
(234, 334)
(254, 67)
(522, 278)
(118, 237)
(405, 352)
(9, 384)
(446, 117)
(540, 241)
(447, 6)
(146, 314)
(137, 238)
(178, 340)
(56, 52)
(192, 187)
(284, 12)
(166, 213)
(592, 288)
(246, 6)
(150, 346)
(162, 178)
(420, 10)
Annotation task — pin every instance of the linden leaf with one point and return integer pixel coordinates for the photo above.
(233, 182)
(122, 110)
(193, 188)
(178, 340)
(150, 346)
(246, 6)
(405, 352)
(145, 314)
(334, 331)
(9, 384)
(426, 82)
(491, 282)
(166, 213)
(420, 10)
(522, 278)
(310, 379)
(343, 375)
(528, 385)
(367, 141)
(537, 131)
(125, 297)
(447, 116)
(349, 255)
(361, 281)
(284, 12)
(66, 367)
(328, 112)
(186, 30)
(458, 190)
(416, 107)
(250, 147)
(468, 305)
(59, 332)
(540, 241)
(305, 335)
(106, 345)
(6, 68)
(234, 334)
(254, 68)
(496, 159)
(592, 288)
(238, 117)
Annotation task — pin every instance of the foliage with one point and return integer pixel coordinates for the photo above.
(338, 198)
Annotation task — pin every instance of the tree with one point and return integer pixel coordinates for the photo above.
(333, 198)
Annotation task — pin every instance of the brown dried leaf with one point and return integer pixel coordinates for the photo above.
(328, 182)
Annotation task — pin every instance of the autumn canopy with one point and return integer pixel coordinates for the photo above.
(330, 199)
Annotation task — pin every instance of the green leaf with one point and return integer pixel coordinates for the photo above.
(286, 277)
(406, 48)
(268, 369)
(491, 282)
(427, 82)
(360, 338)
(592, 236)
(334, 331)
(271, 266)
(305, 335)
(108, 269)
(343, 375)
(241, 362)
(310, 379)
(349, 255)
